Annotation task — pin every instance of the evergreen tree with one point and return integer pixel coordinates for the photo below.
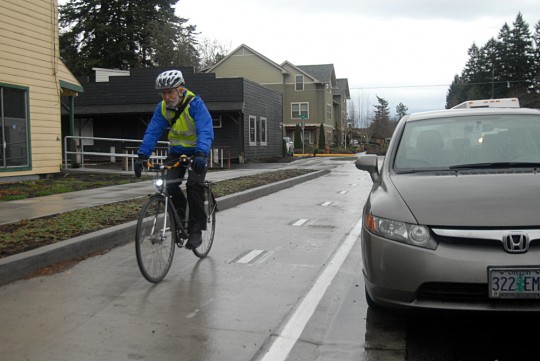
(121, 34)
(489, 69)
(504, 67)
(536, 66)
(322, 137)
(298, 137)
(520, 75)
(380, 126)
(504, 57)
(456, 92)
(401, 111)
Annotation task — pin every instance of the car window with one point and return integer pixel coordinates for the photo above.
(454, 141)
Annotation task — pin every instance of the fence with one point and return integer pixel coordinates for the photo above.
(220, 157)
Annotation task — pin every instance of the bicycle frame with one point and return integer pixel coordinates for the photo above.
(160, 182)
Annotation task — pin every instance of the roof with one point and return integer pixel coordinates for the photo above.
(324, 73)
(343, 85)
(136, 93)
(241, 48)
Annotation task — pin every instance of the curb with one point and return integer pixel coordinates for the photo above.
(19, 266)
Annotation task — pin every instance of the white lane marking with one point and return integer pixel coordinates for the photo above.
(326, 204)
(343, 192)
(284, 342)
(250, 256)
(300, 222)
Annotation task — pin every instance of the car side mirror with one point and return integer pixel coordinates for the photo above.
(369, 163)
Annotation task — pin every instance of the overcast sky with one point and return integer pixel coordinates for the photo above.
(401, 50)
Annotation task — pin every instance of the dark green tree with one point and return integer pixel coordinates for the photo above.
(503, 67)
(122, 34)
(401, 111)
(381, 126)
(298, 137)
(521, 79)
(322, 137)
(456, 92)
(536, 66)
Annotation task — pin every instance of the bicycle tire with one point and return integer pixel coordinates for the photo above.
(208, 233)
(155, 245)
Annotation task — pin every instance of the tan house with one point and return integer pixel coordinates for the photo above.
(32, 81)
(312, 95)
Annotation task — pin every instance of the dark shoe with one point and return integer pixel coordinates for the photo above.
(194, 240)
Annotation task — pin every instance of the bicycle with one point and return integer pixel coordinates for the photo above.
(160, 227)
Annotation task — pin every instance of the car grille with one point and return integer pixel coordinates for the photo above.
(482, 242)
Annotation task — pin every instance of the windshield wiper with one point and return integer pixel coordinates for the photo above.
(420, 170)
(496, 165)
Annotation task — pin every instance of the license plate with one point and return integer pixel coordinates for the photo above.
(514, 282)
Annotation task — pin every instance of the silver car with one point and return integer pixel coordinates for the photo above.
(453, 218)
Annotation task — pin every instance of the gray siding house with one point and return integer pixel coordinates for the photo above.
(119, 104)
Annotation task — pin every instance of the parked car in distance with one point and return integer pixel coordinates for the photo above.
(453, 218)
(289, 145)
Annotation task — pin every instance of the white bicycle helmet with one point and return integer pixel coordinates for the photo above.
(169, 79)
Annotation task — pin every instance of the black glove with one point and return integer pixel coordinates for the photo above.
(198, 163)
(139, 164)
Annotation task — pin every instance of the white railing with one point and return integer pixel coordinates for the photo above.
(219, 156)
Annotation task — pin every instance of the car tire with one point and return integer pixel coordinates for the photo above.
(372, 304)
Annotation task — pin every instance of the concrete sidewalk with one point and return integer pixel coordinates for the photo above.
(14, 211)
(21, 265)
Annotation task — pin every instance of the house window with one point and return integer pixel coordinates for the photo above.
(14, 127)
(252, 130)
(217, 122)
(299, 83)
(308, 137)
(263, 137)
(328, 112)
(299, 109)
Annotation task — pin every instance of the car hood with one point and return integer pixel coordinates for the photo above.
(476, 200)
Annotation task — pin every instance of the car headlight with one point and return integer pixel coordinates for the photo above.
(408, 233)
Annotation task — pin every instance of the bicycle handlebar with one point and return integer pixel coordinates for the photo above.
(183, 161)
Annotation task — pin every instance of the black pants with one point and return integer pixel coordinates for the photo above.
(195, 194)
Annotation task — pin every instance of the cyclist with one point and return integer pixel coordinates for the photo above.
(191, 133)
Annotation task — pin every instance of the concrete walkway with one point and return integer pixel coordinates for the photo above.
(14, 211)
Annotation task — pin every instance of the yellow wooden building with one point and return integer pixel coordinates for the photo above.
(32, 81)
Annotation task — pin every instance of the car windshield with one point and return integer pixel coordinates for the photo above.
(469, 142)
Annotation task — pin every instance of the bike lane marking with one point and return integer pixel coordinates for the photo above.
(287, 338)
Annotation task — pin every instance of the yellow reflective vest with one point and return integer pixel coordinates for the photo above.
(182, 131)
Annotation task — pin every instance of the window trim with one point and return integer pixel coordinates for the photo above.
(329, 112)
(299, 84)
(252, 131)
(263, 130)
(217, 122)
(300, 112)
(28, 165)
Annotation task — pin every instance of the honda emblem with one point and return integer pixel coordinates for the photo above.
(516, 242)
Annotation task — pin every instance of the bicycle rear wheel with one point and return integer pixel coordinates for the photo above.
(210, 208)
(154, 239)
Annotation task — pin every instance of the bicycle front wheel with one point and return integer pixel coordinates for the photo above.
(154, 239)
(210, 208)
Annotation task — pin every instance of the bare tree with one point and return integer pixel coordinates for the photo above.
(359, 116)
(211, 52)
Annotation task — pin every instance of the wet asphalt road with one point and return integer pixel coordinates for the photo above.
(283, 282)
